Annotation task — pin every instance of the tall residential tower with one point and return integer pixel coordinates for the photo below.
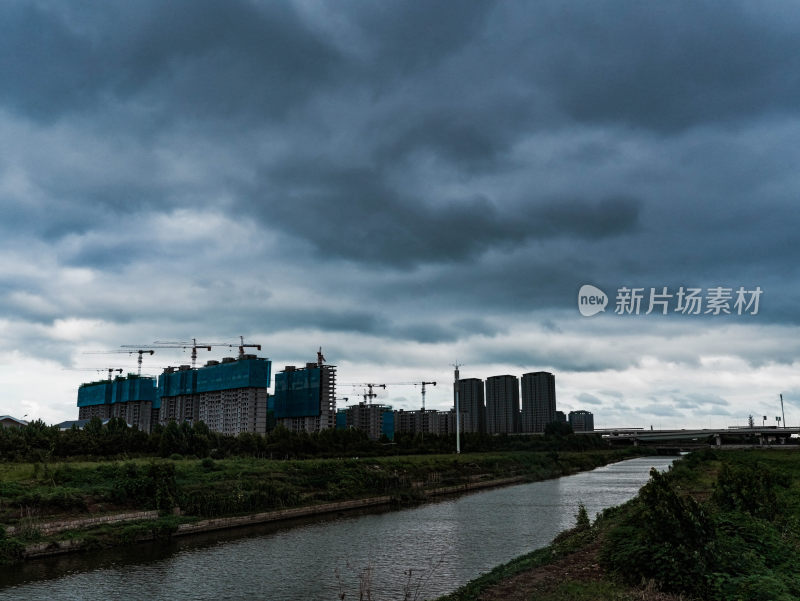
(538, 400)
(471, 404)
(502, 404)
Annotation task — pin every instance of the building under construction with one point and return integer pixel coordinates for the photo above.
(132, 398)
(427, 421)
(305, 397)
(228, 396)
(376, 420)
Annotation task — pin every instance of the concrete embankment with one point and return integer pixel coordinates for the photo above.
(45, 549)
(298, 512)
(48, 528)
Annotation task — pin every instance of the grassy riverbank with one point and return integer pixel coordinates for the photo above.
(34, 496)
(719, 526)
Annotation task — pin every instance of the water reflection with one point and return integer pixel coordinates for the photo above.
(444, 544)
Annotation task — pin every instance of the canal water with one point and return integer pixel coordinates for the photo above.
(427, 550)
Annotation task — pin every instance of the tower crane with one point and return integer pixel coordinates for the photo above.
(370, 394)
(110, 370)
(423, 384)
(194, 345)
(242, 346)
(139, 360)
(131, 351)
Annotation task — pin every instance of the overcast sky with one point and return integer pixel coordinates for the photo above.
(407, 185)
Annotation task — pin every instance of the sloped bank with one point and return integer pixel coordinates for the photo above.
(153, 529)
(719, 525)
(213, 496)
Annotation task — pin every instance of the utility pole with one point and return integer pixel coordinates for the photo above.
(458, 414)
(782, 413)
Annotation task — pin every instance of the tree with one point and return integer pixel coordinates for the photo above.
(558, 429)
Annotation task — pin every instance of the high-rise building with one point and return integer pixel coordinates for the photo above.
(471, 404)
(230, 396)
(177, 388)
(376, 420)
(305, 398)
(538, 400)
(581, 421)
(132, 398)
(502, 404)
(426, 421)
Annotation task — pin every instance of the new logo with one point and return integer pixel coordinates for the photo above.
(591, 300)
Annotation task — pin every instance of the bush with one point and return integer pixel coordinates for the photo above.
(665, 538)
(751, 489)
(11, 550)
(582, 521)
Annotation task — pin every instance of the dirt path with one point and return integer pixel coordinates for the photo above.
(581, 566)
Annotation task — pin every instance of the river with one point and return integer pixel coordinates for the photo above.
(443, 544)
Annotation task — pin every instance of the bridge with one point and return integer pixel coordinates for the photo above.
(706, 436)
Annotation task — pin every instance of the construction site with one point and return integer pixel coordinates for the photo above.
(231, 397)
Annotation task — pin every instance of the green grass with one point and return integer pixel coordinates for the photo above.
(30, 493)
(587, 591)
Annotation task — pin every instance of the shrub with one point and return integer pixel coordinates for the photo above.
(665, 538)
(582, 521)
(751, 489)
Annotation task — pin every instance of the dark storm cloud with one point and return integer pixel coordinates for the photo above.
(413, 165)
(670, 66)
(414, 36)
(198, 56)
(559, 359)
(480, 327)
(369, 220)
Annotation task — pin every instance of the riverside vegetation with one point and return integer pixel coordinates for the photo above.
(111, 469)
(718, 526)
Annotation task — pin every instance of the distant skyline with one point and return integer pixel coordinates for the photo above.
(406, 185)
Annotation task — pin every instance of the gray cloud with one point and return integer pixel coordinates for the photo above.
(378, 176)
(661, 410)
(199, 58)
(368, 220)
(589, 399)
(661, 70)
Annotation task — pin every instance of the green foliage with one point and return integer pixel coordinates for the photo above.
(582, 521)
(751, 489)
(665, 537)
(42, 444)
(739, 546)
(261, 496)
(730, 547)
(584, 591)
(558, 429)
(11, 550)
